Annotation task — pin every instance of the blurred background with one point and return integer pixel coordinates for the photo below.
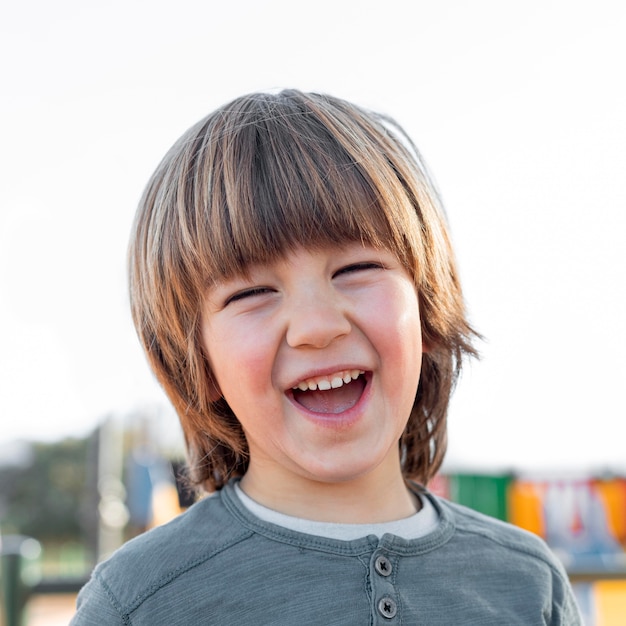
(518, 108)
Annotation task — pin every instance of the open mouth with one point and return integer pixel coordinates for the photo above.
(331, 395)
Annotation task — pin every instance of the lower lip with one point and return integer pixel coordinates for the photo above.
(337, 421)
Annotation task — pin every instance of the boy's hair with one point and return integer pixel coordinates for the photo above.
(252, 181)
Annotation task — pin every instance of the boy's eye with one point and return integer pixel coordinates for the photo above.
(246, 293)
(357, 267)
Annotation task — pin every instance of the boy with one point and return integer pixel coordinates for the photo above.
(293, 285)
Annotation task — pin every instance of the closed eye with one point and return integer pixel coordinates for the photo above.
(247, 293)
(358, 267)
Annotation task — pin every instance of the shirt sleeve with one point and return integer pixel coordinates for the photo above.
(565, 610)
(96, 607)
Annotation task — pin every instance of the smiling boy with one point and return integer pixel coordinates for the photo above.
(282, 340)
(293, 285)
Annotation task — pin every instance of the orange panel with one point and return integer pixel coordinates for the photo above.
(613, 495)
(526, 507)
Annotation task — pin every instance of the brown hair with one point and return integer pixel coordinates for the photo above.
(251, 181)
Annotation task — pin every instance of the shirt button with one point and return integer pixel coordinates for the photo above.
(387, 607)
(383, 565)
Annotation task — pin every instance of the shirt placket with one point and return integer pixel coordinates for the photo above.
(384, 595)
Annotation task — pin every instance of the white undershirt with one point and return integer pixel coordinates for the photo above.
(417, 525)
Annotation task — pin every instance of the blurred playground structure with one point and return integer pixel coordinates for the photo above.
(66, 506)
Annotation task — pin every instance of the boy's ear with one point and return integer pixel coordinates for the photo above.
(215, 393)
(213, 388)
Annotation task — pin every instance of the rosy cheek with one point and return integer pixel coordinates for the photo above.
(253, 366)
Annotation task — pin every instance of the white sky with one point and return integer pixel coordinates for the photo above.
(518, 107)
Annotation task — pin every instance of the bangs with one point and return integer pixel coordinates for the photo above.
(273, 175)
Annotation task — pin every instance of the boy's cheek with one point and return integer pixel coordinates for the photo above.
(249, 374)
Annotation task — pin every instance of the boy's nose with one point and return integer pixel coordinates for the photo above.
(316, 320)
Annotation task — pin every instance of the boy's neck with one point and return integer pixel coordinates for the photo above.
(365, 500)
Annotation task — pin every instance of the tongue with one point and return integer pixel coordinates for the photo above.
(332, 401)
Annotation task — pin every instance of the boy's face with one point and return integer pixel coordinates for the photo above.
(345, 318)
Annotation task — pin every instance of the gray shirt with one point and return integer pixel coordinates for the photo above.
(220, 564)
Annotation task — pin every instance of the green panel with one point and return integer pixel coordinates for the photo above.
(484, 493)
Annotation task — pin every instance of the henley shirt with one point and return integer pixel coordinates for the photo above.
(220, 564)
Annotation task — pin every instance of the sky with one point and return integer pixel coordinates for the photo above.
(518, 108)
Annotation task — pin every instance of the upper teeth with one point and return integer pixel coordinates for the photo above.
(323, 383)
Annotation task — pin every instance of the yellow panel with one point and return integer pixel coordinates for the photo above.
(610, 601)
(165, 506)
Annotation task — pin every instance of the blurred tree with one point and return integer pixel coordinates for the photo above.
(44, 499)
